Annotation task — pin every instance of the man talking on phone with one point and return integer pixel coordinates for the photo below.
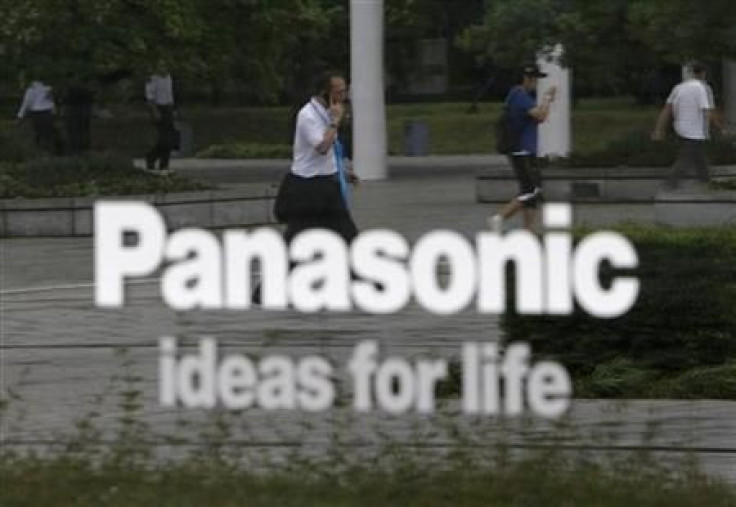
(315, 193)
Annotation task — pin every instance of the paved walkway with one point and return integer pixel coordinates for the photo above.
(58, 351)
(247, 170)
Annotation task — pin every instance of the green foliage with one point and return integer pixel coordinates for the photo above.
(91, 175)
(636, 149)
(86, 38)
(12, 149)
(725, 184)
(621, 378)
(679, 30)
(451, 130)
(684, 319)
(253, 41)
(616, 378)
(246, 150)
(611, 45)
(700, 383)
(537, 480)
(513, 31)
(119, 459)
(119, 466)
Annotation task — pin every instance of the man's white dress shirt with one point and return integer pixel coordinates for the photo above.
(37, 98)
(312, 122)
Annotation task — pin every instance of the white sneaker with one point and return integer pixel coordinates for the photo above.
(495, 222)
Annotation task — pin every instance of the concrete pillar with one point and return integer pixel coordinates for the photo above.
(555, 134)
(729, 94)
(368, 103)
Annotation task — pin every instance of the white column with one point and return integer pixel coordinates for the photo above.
(368, 103)
(555, 134)
(729, 94)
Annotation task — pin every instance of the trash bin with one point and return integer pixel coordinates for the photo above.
(416, 138)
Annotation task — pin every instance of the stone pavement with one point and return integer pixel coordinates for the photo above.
(252, 170)
(58, 351)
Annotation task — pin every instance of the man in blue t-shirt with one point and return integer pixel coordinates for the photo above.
(525, 117)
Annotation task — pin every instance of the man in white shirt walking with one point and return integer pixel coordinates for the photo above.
(691, 106)
(315, 192)
(160, 98)
(38, 104)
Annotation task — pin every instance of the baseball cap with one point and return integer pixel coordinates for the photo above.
(532, 71)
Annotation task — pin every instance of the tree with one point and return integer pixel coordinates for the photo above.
(248, 40)
(680, 30)
(609, 44)
(86, 38)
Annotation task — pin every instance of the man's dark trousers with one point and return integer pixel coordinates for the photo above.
(47, 137)
(690, 155)
(161, 151)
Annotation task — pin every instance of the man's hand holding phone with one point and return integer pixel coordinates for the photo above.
(337, 109)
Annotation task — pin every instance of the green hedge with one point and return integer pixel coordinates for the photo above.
(246, 150)
(13, 149)
(726, 184)
(90, 175)
(681, 330)
(636, 149)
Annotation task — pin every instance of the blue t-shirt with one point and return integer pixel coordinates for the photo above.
(520, 102)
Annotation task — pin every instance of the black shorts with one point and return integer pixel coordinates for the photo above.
(529, 177)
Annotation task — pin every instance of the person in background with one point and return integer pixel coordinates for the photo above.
(692, 107)
(162, 107)
(525, 116)
(38, 104)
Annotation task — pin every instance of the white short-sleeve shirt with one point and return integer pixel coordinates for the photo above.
(691, 101)
(37, 98)
(312, 122)
(160, 90)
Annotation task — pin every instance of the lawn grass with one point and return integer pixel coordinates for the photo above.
(595, 123)
(452, 130)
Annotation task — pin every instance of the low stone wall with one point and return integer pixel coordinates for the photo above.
(243, 207)
(696, 208)
(605, 185)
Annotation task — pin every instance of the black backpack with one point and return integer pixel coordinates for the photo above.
(508, 137)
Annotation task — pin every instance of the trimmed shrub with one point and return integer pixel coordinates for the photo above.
(90, 175)
(246, 150)
(12, 149)
(685, 316)
(636, 149)
(727, 184)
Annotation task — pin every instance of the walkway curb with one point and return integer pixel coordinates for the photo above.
(589, 185)
(63, 217)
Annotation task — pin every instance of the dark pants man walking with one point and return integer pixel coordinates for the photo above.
(691, 106)
(161, 151)
(690, 155)
(45, 131)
